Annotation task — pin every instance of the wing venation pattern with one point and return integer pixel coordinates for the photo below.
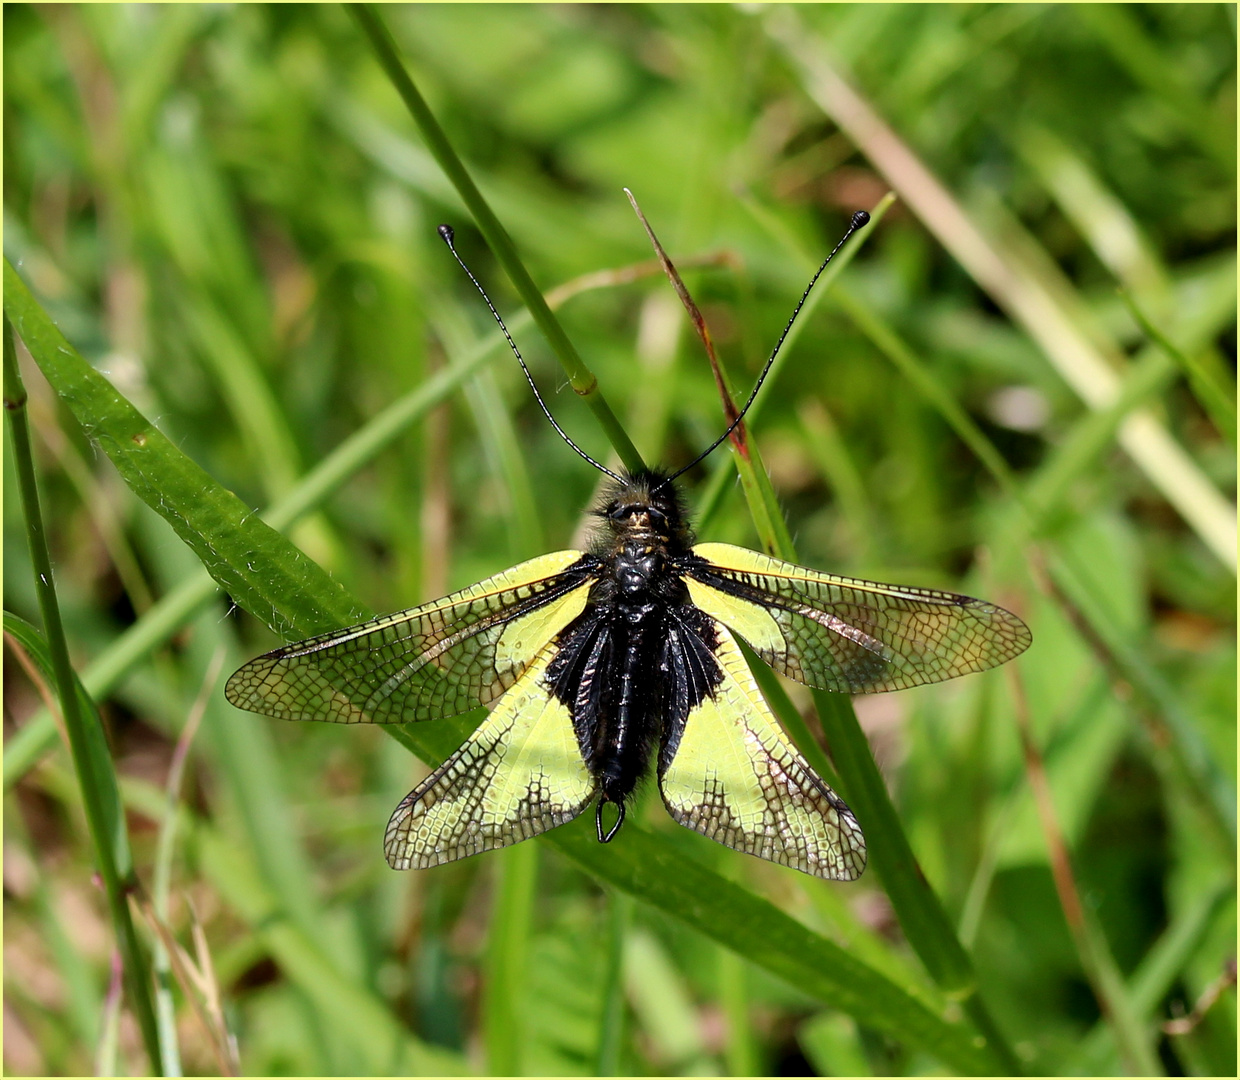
(848, 635)
(735, 777)
(436, 660)
(519, 774)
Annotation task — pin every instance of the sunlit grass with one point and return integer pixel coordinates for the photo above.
(230, 214)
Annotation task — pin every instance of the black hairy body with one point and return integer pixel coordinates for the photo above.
(641, 656)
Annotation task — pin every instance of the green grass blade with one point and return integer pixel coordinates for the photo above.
(1022, 282)
(161, 877)
(894, 348)
(1036, 503)
(663, 1008)
(103, 674)
(1202, 779)
(382, 1045)
(246, 393)
(202, 512)
(763, 935)
(611, 1016)
(835, 462)
(921, 915)
(1156, 975)
(740, 1052)
(99, 763)
(1187, 755)
(1186, 752)
(170, 483)
(1217, 400)
(1135, 1041)
(92, 760)
(505, 995)
(1047, 488)
(1145, 61)
(582, 378)
(374, 1034)
(763, 503)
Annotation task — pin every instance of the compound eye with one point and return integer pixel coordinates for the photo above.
(658, 519)
(620, 513)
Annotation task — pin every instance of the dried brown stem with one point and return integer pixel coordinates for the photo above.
(1182, 1025)
(738, 436)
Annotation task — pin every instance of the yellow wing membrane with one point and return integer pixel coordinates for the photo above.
(736, 778)
(520, 774)
(436, 660)
(846, 635)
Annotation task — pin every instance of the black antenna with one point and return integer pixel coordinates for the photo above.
(449, 236)
(859, 220)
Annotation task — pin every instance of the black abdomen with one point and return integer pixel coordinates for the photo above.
(607, 674)
(633, 665)
(630, 725)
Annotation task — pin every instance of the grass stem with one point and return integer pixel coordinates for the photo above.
(91, 759)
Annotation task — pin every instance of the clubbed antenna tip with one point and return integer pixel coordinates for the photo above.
(859, 219)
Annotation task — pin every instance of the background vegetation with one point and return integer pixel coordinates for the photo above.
(228, 211)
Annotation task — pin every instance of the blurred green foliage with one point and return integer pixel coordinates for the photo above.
(226, 211)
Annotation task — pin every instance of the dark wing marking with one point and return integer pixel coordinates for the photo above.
(579, 674)
(734, 776)
(440, 659)
(520, 774)
(846, 635)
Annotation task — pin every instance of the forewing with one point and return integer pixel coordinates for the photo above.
(436, 660)
(733, 775)
(520, 774)
(847, 635)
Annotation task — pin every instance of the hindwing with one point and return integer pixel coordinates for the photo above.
(519, 774)
(730, 772)
(846, 635)
(440, 659)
